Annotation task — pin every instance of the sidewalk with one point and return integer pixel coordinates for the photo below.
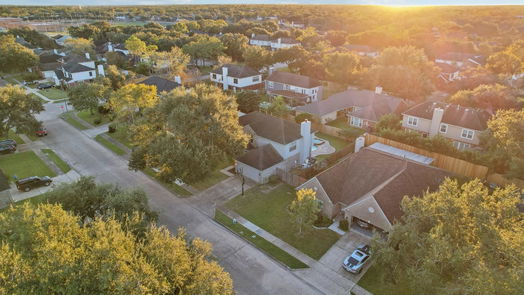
(18, 196)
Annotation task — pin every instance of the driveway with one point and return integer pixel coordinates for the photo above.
(251, 270)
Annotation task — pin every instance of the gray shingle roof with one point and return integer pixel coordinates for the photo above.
(273, 128)
(293, 79)
(160, 83)
(453, 114)
(237, 71)
(261, 158)
(76, 68)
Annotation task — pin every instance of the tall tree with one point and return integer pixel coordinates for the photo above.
(278, 107)
(173, 61)
(139, 48)
(494, 97)
(80, 46)
(457, 240)
(129, 101)
(235, 45)
(209, 48)
(18, 110)
(15, 57)
(304, 209)
(87, 96)
(341, 67)
(116, 77)
(257, 57)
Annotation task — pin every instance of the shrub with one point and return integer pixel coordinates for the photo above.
(103, 109)
(322, 221)
(344, 225)
(302, 117)
(111, 128)
(97, 121)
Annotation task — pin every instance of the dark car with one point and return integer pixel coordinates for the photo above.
(26, 184)
(8, 142)
(41, 132)
(355, 262)
(7, 149)
(45, 85)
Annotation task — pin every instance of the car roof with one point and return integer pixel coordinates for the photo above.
(28, 179)
(358, 255)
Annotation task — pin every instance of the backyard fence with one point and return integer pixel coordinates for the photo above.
(452, 164)
(330, 130)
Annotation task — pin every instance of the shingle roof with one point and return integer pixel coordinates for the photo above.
(49, 66)
(237, 71)
(261, 37)
(160, 83)
(76, 68)
(293, 79)
(261, 158)
(289, 94)
(47, 57)
(75, 58)
(388, 177)
(273, 128)
(453, 114)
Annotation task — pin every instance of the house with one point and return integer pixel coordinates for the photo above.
(448, 72)
(61, 39)
(369, 185)
(460, 124)
(362, 50)
(161, 84)
(110, 47)
(260, 40)
(235, 77)
(462, 60)
(71, 69)
(276, 145)
(266, 41)
(297, 89)
(363, 108)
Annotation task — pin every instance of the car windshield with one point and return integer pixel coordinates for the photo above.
(352, 261)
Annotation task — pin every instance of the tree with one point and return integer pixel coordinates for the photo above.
(278, 107)
(129, 101)
(18, 110)
(505, 63)
(117, 59)
(336, 38)
(295, 57)
(257, 57)
(204, 48)
(15, 57)
(457, 240)
(304, 209)
(47, 250)
(116, 77)
(87, 96)
(235, 45)
(303, 117)
(139, 48)
(341, 67)
(80, 46)
(248, 101)
(189, 151)
(495, 96)
(174, 61)
(389, 121)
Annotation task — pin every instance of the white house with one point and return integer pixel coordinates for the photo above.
(260, 40)
(235, 77)
(276, 145)
(297, 89)
(280, 43)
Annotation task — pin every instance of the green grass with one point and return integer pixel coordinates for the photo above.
(23, 165)
(372, 283)
(12, 135)
(69, 118)
(171, 186)
(53, 93)
(57, 160)
(213, 177)
(91, 118)
(121, 135)
(342, 123)
(334, 141)
(260, 242)
(269, 211)
(109, 145)
(34, 96)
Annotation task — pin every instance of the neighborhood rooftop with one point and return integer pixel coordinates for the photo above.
(293, 79)
(236, 71)
(272, 128)
(160, 83)
(261, 158)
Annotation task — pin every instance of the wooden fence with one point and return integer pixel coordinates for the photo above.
(454, 165)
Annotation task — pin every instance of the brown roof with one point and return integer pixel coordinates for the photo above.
(293, 79)
(236, 71)
(272, 128)
(261, 158)
(388, 176)
(453, 114)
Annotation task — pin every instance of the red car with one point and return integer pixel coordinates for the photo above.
(41, 132)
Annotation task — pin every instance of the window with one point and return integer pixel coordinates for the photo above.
(270, 84)
(467, 134)
(235, 81)
(412, 121)
(356, 122)
(293, 147)
(461, 145)
(256, 78)
(286, 87)
(214, 76)
(443, 128)
(303, 91)
(90, 74)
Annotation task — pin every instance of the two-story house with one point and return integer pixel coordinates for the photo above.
(235, 77)
(280, 43)
(266, 41)
(58, 68)
(460, 124)
(276, 144)
(260, 40)
(297, 89)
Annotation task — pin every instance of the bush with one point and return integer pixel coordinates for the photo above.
(302, 117)
(111, 128)
(103, 109)
(30, 77)
(344, 225)
(322, 221)
(97, 121)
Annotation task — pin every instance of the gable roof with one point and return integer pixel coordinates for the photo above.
(372, 105)
(160, 83)
(453, 114)
(293, 79)
(76, 68)
(51, 66)
(273, 128)
(262, 157)
(236, 71)
(49, 57)
(260, 37)
(388, 177)
(74, 58)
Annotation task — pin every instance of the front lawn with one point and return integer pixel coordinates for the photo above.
(213, 177)
(372, 283)
(109, 145)
(270, 212)
(57, 160)
(12, 135)
(91, 118)
(121, 135)
(171, 186)
(260, 242)
(23, 165)
(69, 118)
(53, 93)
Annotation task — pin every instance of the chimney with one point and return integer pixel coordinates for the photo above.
(88, 56)
(101, 71)
(270, 71)
(252, 35)
(279, 40)
(307, 142)
(378, 90)
(225, 77)
(359, 143)
(438, 113)
(109, 47)
(55, 51)
(178, 80)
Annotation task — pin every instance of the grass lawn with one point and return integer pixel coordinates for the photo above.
(38, 97)
(23, 165)
(91, 118)
(171, 186)
(343, 124)
(334, 141)
(121, 135)
(260, 242)
(213, 177)
(371, 282)
(12, 135)
(68, 117)
(111, 146)
(53, 93)
(57, 160)
(269, 211)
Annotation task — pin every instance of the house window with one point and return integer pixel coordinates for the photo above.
(270, 84)
(90, 74)
(286, 87)
(467, 134)
(461, 145)
(235, 81)
(412, 121)
(214, 76)
(356, 122)
(293, 147)
(443, 128)
(256, 78)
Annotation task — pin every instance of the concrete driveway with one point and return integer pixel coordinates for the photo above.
(341, 249)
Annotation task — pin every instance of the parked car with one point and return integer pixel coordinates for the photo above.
(41, 132)
(355, 262)
(8, 142)
(26, 184)
(45, 85)
(7, 149)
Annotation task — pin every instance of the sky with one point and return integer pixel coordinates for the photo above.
(172, 2)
